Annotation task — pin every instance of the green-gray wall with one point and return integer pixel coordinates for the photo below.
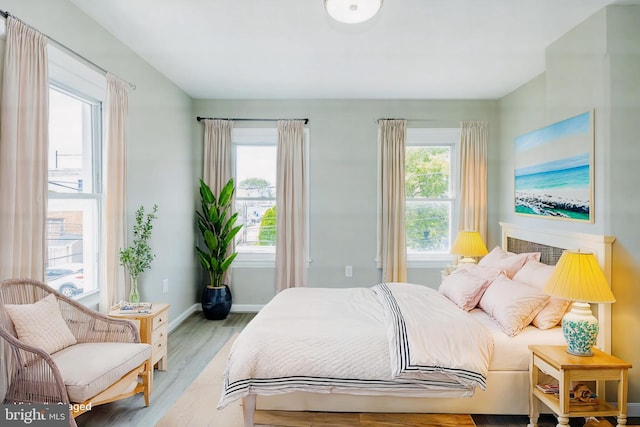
(595, 66)
(159, 140)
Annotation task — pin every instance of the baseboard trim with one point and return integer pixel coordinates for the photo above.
(633, 409)
(246, 308)
(235, 308)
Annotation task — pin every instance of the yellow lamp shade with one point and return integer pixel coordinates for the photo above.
(469, 244)
(578, 277)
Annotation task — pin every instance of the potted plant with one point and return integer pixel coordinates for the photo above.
(137, 257)
(218, 229)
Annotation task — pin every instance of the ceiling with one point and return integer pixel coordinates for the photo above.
(291, 49)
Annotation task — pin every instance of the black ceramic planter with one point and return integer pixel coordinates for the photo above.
(216, 302)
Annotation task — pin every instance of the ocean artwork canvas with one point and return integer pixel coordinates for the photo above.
(554, 170)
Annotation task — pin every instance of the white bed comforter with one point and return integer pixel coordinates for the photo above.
(393, 338)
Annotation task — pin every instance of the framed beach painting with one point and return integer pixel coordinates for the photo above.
(554, 170)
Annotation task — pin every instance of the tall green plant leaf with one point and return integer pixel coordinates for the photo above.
(227, 262)
(225, 194)
(206, 194)
(218, 228)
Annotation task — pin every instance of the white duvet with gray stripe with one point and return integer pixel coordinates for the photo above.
(390, 339)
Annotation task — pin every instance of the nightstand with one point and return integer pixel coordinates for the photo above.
(153, 330)
(566, 368)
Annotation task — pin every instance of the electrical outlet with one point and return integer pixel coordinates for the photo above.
(165, 286)
(348, 271)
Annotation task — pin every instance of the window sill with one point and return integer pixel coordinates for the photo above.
(90, 299)
(430, 263)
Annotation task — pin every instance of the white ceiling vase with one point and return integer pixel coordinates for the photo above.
(352, 11)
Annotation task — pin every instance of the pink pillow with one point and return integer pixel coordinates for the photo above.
(489, 273)
(512, 305)
(537, 274)
(509, 262)
(464, 288)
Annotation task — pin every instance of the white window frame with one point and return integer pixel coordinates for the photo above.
(268, 137)
(417, 137)
(70, 75)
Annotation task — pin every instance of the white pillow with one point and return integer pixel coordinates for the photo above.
(464, 288)
(512, 305)
(41, 324)
(509, 262)
(537, 274)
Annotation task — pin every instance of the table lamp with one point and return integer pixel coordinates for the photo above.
(577, 277)
(469, 244)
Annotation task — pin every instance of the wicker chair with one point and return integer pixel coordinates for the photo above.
(30, 374)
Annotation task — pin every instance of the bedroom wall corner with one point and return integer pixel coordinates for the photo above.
(521, 111)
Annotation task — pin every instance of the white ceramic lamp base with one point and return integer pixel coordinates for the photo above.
(467, 260)
(580, 329)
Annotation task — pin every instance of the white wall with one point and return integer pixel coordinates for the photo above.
(159, 141)
(343, 180)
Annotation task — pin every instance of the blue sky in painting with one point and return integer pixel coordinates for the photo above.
(556, 165)
(572, 126)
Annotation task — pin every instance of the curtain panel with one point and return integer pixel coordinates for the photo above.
(392, 245)
(291, 206)
(216, 170)
(217, 153)
(116, 111)
(473, 177)
(23, 153)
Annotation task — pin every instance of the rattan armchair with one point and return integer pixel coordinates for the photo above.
(30, 374)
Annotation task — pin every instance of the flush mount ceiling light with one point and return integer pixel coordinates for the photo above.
(352, 11)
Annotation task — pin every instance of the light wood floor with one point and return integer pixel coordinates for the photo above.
(191, 346)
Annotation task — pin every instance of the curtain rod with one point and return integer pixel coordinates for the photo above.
(69, 50)
(247, 120)
(410, 120)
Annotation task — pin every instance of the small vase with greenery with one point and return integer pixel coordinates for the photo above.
(218, 228)
(137, 257)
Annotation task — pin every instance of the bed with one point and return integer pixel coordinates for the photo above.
(391, 347)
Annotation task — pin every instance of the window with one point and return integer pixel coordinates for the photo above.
(74, 182)
(255, 153)
(254, 159)
(431, 192)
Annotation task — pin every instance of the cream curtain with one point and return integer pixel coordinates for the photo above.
(473, 177)
(392, 246)
(216, 169)
(23, 153)
(291, 206)
(115, 189)
(217, 153)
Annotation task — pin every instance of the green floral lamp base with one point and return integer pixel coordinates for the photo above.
(580, 329)
(134, 297)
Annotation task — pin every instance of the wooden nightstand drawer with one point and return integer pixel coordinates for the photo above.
(159, 345)
(159, 320)
(159, 333)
